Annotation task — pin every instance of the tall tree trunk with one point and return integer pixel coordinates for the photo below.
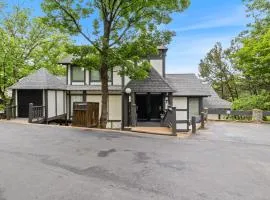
(105, 91)
(104, 74)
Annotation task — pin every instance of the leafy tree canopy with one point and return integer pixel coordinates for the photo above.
(120, 33)
(26, 44)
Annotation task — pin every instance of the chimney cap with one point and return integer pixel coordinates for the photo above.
(162, 47)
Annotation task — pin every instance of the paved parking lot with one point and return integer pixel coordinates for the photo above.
(225, 161)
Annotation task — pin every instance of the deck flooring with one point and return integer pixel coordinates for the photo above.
(153, 130)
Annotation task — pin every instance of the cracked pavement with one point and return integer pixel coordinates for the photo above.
(224, 161)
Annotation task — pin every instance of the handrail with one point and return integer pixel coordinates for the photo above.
(36, 112)
(169, 119)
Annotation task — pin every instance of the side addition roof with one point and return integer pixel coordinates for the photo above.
(214, 101)
(41, 79)
(187, 85)
(155, 83)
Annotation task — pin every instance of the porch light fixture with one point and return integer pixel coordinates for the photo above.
(128, 90)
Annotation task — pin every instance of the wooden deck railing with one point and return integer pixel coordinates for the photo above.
(169, 119)
(36, 114)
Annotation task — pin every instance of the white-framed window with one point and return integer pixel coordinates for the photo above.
(77, 74)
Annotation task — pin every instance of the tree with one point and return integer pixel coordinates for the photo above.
(253, 57)
(217, 69)
(27, 44)
(124, 33)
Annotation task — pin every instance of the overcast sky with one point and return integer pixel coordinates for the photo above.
(197, 29)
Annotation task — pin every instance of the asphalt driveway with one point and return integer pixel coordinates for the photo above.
(225, 161)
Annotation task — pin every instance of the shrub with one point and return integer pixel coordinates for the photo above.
(261, 101)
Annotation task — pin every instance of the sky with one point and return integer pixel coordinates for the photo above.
(197, 29)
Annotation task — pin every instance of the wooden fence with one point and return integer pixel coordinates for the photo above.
(85, 114)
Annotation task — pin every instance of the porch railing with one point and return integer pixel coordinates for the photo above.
(36, 114)
(169, 119)
(10, 112)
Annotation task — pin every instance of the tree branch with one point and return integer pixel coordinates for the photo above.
(77, 25)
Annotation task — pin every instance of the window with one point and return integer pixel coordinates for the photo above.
(95, 76)
(77, 74)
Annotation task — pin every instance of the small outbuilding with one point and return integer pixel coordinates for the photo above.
(42, 89)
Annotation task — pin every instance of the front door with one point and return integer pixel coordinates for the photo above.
(149, 107)
(156, 107)
(28, 96)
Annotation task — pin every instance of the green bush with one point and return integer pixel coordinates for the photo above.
(2, 108)
(261, 101)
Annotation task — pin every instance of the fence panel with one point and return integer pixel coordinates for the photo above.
(85, 114)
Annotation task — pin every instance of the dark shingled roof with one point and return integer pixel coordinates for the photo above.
(214, 101)
(187, 85)
(155, 83)
(41, 79)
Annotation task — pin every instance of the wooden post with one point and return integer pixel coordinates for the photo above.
(202, 119)
(133, 110)
(174, 121)
(206, 114)
(8, 113)
(193, 124)
(170, 99)
(30, 114)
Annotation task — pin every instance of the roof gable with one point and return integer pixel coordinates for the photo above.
(154, 83)
(41, 79)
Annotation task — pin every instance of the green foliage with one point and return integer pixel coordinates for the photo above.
(245, 65)
(123, 32)
(261, 101)
(2, 108)
(217, 69)
(26, 44)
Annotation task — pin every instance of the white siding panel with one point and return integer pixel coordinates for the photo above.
(95, 98)
(180, 102)
(115, 108)
(87, 77)
(117, 79)
(127, 79)
(51, 103)
(194, 107)
(157, 65)
(181, 115)
(113, 125)
(77, 83)
(60, 102)
(69, 75)
(181, 126)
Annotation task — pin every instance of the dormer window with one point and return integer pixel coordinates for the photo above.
(77, 74)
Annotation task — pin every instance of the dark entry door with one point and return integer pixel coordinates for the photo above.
(28, 96)
(156, 106)
(148, 107)
(141, 103)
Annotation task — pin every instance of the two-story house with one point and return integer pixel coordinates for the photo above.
(129, 100)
